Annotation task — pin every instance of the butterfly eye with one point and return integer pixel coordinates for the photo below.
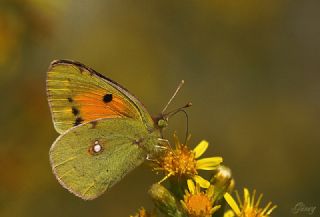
(162, 123)
(96, 148)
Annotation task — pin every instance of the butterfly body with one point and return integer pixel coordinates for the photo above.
(105, 130)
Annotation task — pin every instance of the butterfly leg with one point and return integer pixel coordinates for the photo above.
(162, 139)
(163, 143)
(149, 158)
(161, 147)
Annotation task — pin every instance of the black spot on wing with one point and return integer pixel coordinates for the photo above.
(78, 121)
(75, 111)
(107, 98)
(70, 99)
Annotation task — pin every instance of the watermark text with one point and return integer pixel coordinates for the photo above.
(302, 208)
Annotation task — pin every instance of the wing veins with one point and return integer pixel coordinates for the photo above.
(65, 161)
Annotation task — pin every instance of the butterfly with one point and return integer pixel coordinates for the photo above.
(105, 131)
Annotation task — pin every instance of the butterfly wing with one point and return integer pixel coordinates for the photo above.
(77, 94)
(92, 157)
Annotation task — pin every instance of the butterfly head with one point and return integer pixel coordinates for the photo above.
(162, 123)
(162, 120)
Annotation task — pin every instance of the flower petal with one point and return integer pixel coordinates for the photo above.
(246, 196)
(259, 200)
(176, 140)
(210, 191)
(229, 213)
(200, 148)
(232, 203)
(201, 181)
(253, 198)
(266, 208)
(270, 210)
(184, 205)
(215, 208)
(208, 163)
(191, 186)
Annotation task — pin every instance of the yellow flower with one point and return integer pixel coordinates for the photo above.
(142, 213)
(248, 208)
(197, 203)
(183, 162)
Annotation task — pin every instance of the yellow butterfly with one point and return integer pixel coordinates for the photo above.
(105, 130)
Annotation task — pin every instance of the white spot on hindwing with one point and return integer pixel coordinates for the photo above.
(96, 148)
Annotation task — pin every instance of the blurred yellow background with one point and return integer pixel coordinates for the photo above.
(251, 70)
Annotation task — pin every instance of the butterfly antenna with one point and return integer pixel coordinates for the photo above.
(187, 127)
(187, 119)
(174, 94)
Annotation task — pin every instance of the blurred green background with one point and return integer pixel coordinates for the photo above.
(252, 72)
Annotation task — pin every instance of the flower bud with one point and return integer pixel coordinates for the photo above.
(222, 181)
(164, 201)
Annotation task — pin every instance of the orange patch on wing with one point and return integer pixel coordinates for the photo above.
(92, 106)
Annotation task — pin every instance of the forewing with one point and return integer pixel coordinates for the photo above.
(77, 94)
(87, 173)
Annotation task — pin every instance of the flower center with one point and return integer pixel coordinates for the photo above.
(180, 161)
(198, 205)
